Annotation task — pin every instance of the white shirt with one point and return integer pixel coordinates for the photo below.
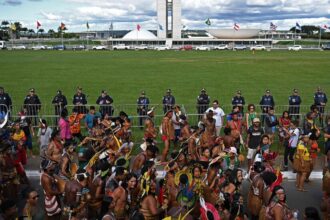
(176, 126)
(45, 136)
(293, 141)
(218, 113)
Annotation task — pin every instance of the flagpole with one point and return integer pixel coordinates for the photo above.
(320, 35)
(87, 35)
(62, 38)
(295, 32)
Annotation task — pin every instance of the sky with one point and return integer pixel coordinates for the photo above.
(125, 15)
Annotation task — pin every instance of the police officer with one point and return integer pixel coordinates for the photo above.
(320, 100)
(266, 102)
(32, 105)
(203, 102)
(59, 102)
(239, 101)
(79, 100)
(5, 101)
(168, 101)
(105, 101)
(294, 105)
(142, 107)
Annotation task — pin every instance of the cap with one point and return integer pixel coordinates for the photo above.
(59, 92)
(143, 92)
(79, 88)
(295, 90)
(168, 90)
(267, 91)
(203, 90)
(239, 92)
(32, 90)
(104, 91)
(233, 150)
(255, 120)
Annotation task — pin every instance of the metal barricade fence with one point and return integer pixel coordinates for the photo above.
(47, 111)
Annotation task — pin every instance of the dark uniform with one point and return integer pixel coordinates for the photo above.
(59, 102)
(203, 102)
(79, 100)
(5, 101)
(266, 102)
(105, 101)
(168, 101)
(142, 107)
(294, 105)
(320, 100)
(32, 105)
(239, 101)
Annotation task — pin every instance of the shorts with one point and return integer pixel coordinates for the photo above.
(251, 153)
(177, 133)
(28, 142)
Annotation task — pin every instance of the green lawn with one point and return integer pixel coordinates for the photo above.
(125, 73)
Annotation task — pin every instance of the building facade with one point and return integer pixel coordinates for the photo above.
(169, 19)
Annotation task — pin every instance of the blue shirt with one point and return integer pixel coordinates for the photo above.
(90, 118)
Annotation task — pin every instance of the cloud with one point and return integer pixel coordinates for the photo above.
(51, 16)
(12, 2)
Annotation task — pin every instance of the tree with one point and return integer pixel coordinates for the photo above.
(51, 33)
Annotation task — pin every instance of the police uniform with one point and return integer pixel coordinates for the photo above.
(5, 102)
(142, 108)
(320, 97)
(59, 102)
(80, 98)
(203, 101)
(32, 105)
(294, 106)
(266, 102)
(168, 101)
(238, 101)
(105, 103)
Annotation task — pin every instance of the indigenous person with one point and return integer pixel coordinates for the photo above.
(239, 101)
(79, 101)
(284, 124)
(218, 115)
(266, 102)
(235, 126)
(64, 126)
(253, 139)
(75, 128)
(167, 131)
(270, 124)
(302, 162)
(143, 157)
(32, 105)
(277, 207)
(5, 101)
(26, 125)
(30, 210)
(203, 102)
(89, 119)
(250, 115)
(105, 101)
(9, 210)
(176, 124)
(51, 191)
(142, 107)
(168, 101)
(55, 148)
(291, 145)
(59, 102)
(294, 105)
(44, 136)
(67, 165)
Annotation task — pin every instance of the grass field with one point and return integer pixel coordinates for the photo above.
(125, 73)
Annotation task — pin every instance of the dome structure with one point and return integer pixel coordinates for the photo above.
(232, 34)
(139, 35)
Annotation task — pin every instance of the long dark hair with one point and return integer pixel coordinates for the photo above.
(276, 188)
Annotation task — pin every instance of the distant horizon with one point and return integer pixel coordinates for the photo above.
(125, 15)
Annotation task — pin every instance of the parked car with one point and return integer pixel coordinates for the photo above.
(203, 48)
(240, 47)
(141, 47)
(19, 47)
(59, 47)
(258, 47)
(186, 47)
(120, 47)
(295, 48)
(221, 47)
(326, 46)
(79, 47)
(3, 45)
(49, 48)
(39, 47)
(100, 47)
(163, 47)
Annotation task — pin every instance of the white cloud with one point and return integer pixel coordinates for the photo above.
(51, 16)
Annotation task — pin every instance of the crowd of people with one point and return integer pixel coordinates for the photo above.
(96, 171)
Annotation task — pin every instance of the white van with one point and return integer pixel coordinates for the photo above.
(3, 45)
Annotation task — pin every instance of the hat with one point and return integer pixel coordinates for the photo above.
(267, 91)
(79, 87)
(122, 162)
(183, 177)
(295, 90)
(59, 92)
(168, 90)
(255, 120)
(203, 90)
(233, 150)
(104, 91)
(239, 92)
(32, 90)
(143, 92)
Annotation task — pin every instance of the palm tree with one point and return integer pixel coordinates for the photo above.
(51, 32)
